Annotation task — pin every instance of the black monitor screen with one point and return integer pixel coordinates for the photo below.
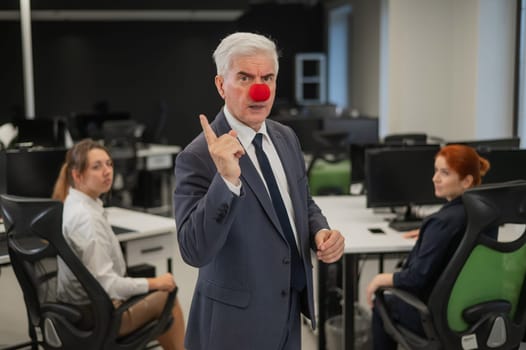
(361, 130)
(305, 128)
(90, 124)
(503, 143)
(41, 132)
(400, 176)
(505, 165)
(31, 172)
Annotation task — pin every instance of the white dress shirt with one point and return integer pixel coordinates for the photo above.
(245, 136)
(88, 232)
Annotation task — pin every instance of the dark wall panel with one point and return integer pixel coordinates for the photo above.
(11, 78)
(141, 66)
(135, 67)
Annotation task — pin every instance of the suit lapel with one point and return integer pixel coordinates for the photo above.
(250, 176)
(287, 160)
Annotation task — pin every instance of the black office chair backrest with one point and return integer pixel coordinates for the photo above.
(481, 295)
(35, 243)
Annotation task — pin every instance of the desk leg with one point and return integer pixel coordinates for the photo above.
(350, 286)
(322, 303)
(169, 265)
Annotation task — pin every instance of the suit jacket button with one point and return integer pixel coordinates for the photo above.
(286, 261)
(283, 293)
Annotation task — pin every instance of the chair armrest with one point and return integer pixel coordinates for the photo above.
(410, 299)
(476, 312)
(136, 298)
(156, 327)
(407, 298)
(70, 312)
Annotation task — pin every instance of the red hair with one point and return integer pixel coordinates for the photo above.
(464, 160)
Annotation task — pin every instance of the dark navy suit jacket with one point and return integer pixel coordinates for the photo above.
(439, 237)
(241, 298)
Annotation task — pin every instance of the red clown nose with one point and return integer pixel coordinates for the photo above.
(259, 92)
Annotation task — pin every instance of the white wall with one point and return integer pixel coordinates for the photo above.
(365, 56)
(522, 77)
(448, 68)
(496, 62)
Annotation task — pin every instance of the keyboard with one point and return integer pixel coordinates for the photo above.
(403, 226)
(119, 230)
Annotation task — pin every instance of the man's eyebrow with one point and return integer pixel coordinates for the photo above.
(245, 74)
(252, 75)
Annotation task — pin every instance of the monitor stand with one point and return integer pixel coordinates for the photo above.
(406, 222)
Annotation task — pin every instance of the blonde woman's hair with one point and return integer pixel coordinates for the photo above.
(76, 159)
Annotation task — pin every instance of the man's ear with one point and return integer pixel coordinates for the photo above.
(219, 80)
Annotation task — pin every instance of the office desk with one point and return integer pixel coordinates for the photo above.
(4, 258)
(150, 240)
(158, 161)
(349, 215)
(157, 157)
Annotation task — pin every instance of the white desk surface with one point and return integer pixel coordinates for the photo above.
(141, 224)
(154, 149)
(349, 215)
(4, 259)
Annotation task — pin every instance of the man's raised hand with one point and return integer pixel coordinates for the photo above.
(225, 151)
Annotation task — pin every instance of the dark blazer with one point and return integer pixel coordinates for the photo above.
(242, 293)
(440, 234)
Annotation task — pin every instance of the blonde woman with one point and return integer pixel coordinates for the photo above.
(86, 175)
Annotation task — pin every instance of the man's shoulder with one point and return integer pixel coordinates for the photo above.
(276, 127)
(271, 123)
(198, 143)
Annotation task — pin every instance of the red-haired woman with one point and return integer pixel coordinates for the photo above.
(457, 168)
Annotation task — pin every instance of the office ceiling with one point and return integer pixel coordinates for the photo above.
(142, 10)
(147, 4)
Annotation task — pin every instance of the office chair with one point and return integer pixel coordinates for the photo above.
(479, 301)
(35, 242)
(329, 170)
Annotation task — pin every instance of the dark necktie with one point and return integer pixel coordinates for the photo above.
(297, 278)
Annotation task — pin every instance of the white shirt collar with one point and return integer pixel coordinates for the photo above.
(245, 134)
(96, 204)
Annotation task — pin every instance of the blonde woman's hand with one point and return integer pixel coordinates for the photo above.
(163, 282)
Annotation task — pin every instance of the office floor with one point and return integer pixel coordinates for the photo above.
(13, 322)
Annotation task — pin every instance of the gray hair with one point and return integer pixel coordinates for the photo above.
(243, 44)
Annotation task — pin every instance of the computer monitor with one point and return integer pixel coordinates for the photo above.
(45, 132)
(502, 143)
(358, 157)
(305, 128)
(505, 165)
(90, 124)
(400, 177)
(361, 130)
(30, 172)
